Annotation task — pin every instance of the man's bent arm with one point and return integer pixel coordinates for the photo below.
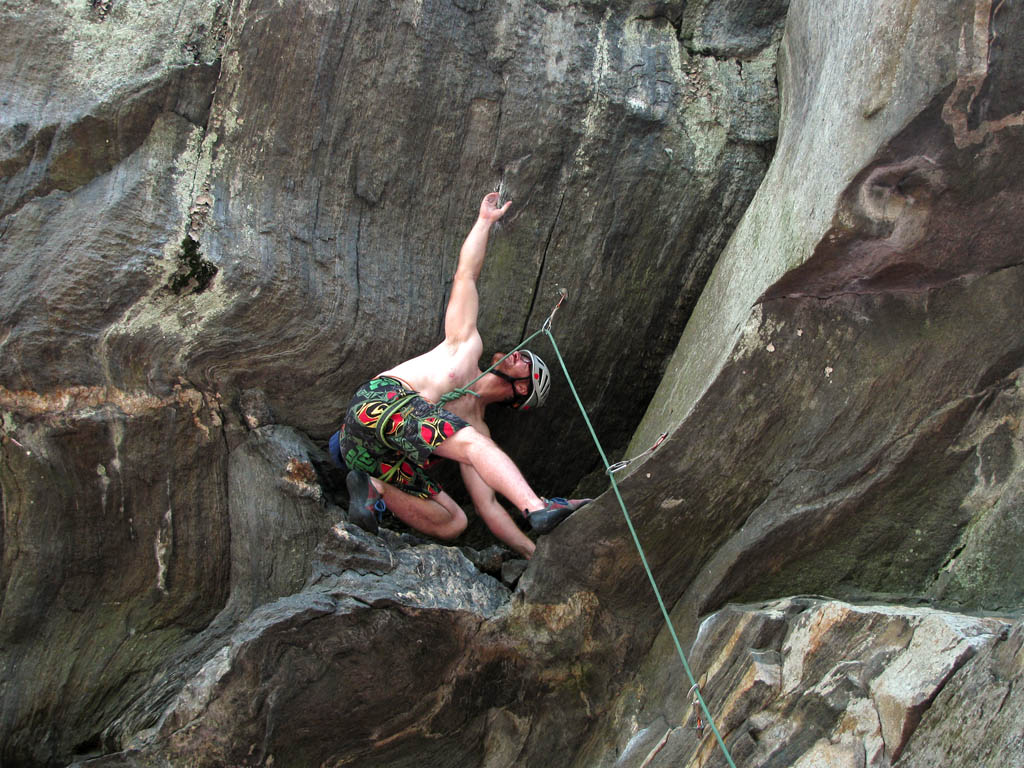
(464, 303)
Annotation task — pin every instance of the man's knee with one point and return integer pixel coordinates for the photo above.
(454, 527)
(468, 435)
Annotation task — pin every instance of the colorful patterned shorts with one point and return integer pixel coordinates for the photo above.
(390, 432)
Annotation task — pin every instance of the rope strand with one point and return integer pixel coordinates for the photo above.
(458, 392)
(610, 470)
(643, 558)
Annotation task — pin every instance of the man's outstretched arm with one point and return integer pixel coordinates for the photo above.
(464, 303)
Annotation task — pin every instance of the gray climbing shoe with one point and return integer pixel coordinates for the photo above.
(555, 511)
(365, 505)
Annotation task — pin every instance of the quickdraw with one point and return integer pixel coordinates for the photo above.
(626, 462)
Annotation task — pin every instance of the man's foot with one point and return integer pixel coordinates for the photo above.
(555, 511)
(365, 506)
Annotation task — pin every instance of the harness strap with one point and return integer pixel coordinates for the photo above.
(516, 400)
(385, 420)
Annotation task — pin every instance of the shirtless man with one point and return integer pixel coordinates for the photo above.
(394, 426)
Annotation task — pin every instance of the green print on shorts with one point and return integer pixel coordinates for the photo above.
(391, 433)
(360, 458)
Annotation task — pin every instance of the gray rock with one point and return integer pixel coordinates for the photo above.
(255, 408)
(277, 516)
(861, 367)
(309, 667)
(975, 718)
(804, 682)
(116, 551)
(512, 570)
(838, 410)
(198, 201)
(731, 28)
(490, 559)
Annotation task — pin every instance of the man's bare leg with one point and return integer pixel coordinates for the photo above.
(502, 526)
(438, 516)
(441, 517)
(470, 446)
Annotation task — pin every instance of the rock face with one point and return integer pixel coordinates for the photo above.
(330, 179)
(881, 318)
(318, 660)
(844, 408)
(806, 682)
(202, 199)
(973, 720)
(216, 219)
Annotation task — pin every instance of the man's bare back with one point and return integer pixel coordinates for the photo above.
(446, 367)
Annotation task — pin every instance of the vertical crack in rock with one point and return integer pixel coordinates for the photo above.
(356, 253)
(535, 295)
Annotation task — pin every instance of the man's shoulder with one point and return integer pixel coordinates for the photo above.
(470, 344)
(440, 370)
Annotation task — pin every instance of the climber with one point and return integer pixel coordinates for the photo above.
(394, 427)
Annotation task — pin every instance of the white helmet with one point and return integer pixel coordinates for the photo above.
(540, 382)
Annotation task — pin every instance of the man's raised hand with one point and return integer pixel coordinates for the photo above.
(489, 210)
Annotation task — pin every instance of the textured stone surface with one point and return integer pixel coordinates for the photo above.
(273, 534)
(116, 545)
(374, 627)
(333, 175)
(217, 218)
(862, 439)
(843, 412)
(805, 682)
(300, 680)
(975, 719)
(277, 687)
(857, 350)
(223, 215)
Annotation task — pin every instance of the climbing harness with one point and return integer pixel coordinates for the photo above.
(610, 471)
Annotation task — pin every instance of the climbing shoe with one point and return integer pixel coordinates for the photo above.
(365, 505)
(555, 511)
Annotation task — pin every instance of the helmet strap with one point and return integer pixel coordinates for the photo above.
(517, 399)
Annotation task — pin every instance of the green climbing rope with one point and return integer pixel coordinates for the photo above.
(639, 548)
(458, 392)
(609, 469)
